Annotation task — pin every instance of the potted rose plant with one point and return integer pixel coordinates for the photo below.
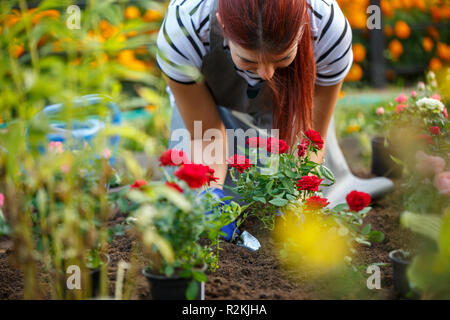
(287, 175)
(172, 219)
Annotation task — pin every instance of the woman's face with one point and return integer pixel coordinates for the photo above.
(248, 60)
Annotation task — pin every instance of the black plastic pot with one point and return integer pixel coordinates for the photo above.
(400, 264)
(171, 288)
(95, 277)
(382, 163)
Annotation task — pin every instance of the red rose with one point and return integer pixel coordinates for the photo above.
(241, 163)
(256, 142)
(435, 130)
(277, 146)
(174, 186)
(310, 183)
(445, 113)
(303, 147)
(315, 138)
(316, 203)
(358, 200)
(210, 176)
(195, 175)
(425, 138)
(138, 183)
(173, 157)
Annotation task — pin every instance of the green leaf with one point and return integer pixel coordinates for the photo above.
(269, 186)
(199, 276)
(260, 199)
(340, 207)
(278, 202)
(192, 290)
(365, 211)
(324, 171)
(376, 236)
(290, 197)
(366, 229)
(168, 270)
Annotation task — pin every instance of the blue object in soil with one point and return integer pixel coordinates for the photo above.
(82, 131)
(231, 228)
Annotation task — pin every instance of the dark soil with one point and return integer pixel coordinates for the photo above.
(252, 275)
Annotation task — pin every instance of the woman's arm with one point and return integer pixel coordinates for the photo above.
(195, 103)
(325, 98)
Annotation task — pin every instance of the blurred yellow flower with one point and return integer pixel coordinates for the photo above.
(352, 128)
(152, 15)
(395, 48)
(443, 51)
(435, 64)
(359, 52)
(402, 30)
(132, 12)
(355, 73)
(427, 44)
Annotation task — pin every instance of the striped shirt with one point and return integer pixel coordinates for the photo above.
(183, 41)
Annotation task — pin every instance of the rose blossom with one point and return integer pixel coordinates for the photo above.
(445, 113)
(436, 97)
(173, 157)
(175, 186)
(138, 183)
(195, 175)
(309, 183)
(2, 200)
(316, 203)
(256, 142)
(315, 138)
(241, 163)
(414, 94)
(421, 85)
(277, 146)
(442, 183)
(399, 108)
(435, 130)
(303, 147)
(401, 99)
(106, 153)
(55, 147)
(429, 165)
(380, 111)
(358, 200)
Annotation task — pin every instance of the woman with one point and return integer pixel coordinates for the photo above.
(260, 64)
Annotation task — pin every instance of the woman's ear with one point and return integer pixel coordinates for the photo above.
(220, 20)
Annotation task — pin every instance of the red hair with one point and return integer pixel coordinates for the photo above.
(272, 27)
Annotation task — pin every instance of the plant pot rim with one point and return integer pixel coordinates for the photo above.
(398, 259)
(158, 276)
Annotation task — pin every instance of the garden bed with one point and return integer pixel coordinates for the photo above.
(254, 275)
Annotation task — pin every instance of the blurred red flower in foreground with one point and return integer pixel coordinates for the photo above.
(316, 203)
(138, 183)
(173, 157)
(174, 186)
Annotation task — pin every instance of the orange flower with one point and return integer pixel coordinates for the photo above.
(127, 59)
(432, 31)
(107, 30)
(421, 5)
(386, 8)
(359, 52)
(132, 12)
(395, 48)
(18, 50)
(402, 29)
(152, 15)
(435, 13)
(52, 14)
(388, 31)
(427, 44)
(358, 19)
(435, 64)
(355, 73)
(443, 51)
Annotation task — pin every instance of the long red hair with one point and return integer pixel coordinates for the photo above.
(272, 26)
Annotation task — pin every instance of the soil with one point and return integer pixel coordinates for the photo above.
(253, 275)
